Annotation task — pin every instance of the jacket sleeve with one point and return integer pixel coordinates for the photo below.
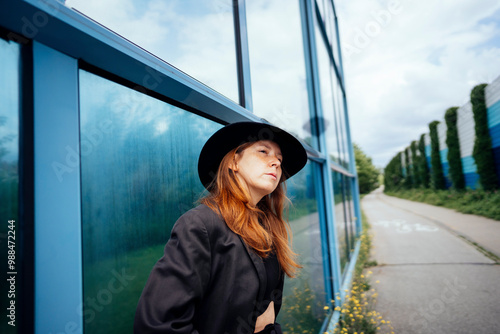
(177, 282)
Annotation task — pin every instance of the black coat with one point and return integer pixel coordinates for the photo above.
(207, 282)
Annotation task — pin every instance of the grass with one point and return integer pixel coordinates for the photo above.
(476, 202)
(358, 313)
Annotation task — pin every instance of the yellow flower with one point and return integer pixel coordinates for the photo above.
(377, 281)
(326, 308)
(337, 308)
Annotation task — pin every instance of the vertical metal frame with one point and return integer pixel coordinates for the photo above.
(242, 54)
(58, 247)
(26, 194)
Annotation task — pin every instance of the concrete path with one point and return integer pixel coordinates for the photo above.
(431, 280)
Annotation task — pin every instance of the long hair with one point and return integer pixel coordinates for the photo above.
(263, 228)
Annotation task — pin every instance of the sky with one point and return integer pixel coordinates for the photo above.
(406, 62)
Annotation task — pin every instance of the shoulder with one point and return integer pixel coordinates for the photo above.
(202, 217)
(201, 213)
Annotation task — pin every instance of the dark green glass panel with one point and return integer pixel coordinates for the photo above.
(139, 174)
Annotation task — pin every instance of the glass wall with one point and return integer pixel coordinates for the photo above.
(304, 296)
(139, 174)
(279, 88)
(139, 153)
(9, 182)
(195, 36)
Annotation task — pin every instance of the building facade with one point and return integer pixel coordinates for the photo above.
(105, 108)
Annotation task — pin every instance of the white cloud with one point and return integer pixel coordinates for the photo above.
(425, 58)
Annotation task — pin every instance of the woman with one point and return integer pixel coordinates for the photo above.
(224, 265)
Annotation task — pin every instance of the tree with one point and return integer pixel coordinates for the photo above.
(483, 154)
(454, 158)
(367, 173)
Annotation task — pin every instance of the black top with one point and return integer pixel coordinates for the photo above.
(273, 274)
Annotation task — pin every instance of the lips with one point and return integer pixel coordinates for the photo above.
(272, 174)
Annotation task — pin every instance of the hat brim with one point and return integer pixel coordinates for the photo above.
(236, 134)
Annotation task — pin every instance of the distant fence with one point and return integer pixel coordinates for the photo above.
(408, 171)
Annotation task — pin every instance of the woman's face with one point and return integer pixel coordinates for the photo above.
(259, 168)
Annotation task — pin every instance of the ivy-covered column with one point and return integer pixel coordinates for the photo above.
(437, 176)
(483, 154)
(423, 169)
(454, 158)
(415, 165)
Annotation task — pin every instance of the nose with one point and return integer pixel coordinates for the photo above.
(275, 162)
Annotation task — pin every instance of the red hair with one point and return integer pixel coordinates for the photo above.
(263, 227)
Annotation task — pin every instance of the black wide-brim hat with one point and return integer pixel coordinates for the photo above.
(236, 134)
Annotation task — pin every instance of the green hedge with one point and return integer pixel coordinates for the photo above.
(423, 168)
(415, 164)
(483, 154)
(454, 158)
(393, 173)
(408, 177)
(437, 176)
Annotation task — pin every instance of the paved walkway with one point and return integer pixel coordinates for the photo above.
(431, 280)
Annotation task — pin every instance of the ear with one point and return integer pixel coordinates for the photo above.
(234, 165)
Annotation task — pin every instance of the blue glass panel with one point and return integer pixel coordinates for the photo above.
(9, 182)
(340, 116)
(278, 72)
(304, 296)
(195, 36)
(139, 174)
(340, 219)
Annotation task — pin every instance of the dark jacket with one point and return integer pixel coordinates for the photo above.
(207, 282)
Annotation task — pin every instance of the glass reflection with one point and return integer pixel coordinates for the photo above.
(304, 296)
(328, 17)
(193, 35)
(328, 102)
(9, 176)
(340, 116)
(139, 174)
(350, 219)
(340, 220)
(278, 72)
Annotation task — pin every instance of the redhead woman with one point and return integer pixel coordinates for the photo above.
(224, 265)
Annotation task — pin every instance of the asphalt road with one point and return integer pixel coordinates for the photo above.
(432, 280)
